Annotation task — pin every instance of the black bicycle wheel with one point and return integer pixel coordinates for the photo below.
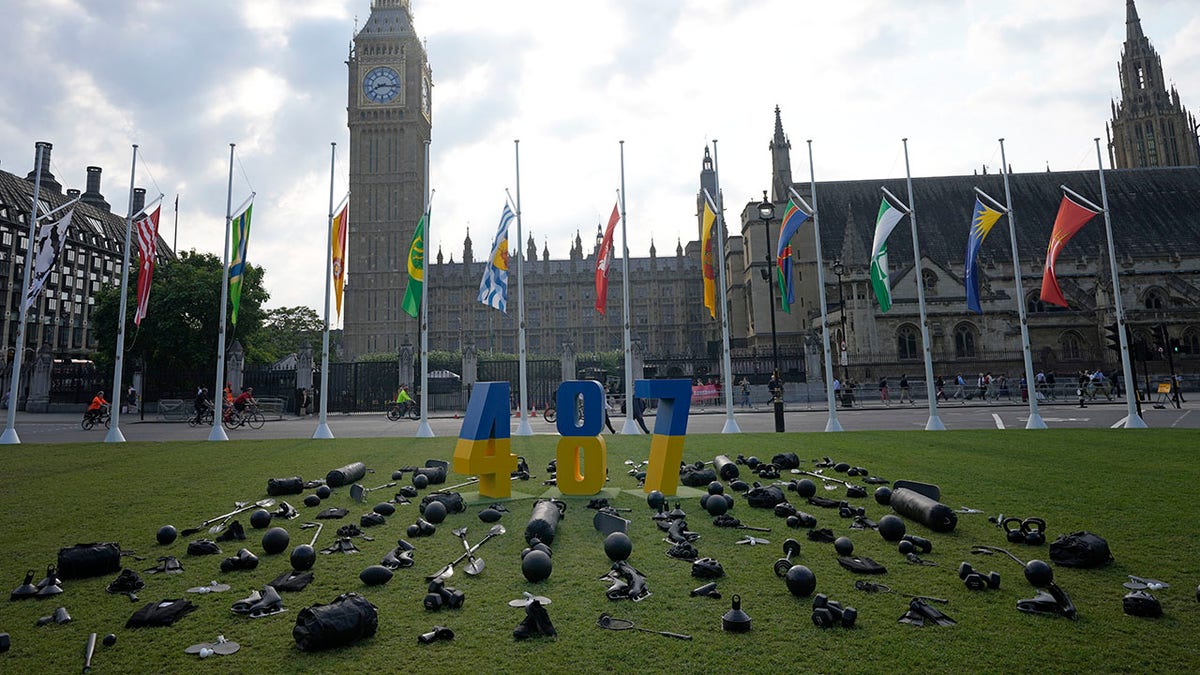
(256, 420)
(87, 423)
(233, 421)
(551, 415)
(393, 413)
(413, 412)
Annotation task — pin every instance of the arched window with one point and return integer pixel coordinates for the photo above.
(1034, 304)
(930, 280)
(964, 341)
(1072, 346)
(906, 342)
(1191, 342)
(1155, 299)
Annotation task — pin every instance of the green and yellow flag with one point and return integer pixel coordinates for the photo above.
(240, 234)
(416, 270)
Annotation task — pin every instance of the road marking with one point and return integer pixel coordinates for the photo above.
(1119, 423)
(1176, 423)
(999, 422)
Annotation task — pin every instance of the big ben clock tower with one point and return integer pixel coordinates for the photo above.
(389, 115)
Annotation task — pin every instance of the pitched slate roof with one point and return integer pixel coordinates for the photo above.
(90, 227)
(1155, 212)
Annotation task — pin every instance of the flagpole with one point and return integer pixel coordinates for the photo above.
(731, 425)
(1035, 417)
(218, 432)
(114, 434)
(175, 237)
(935, 422)
(423, 429)
(523, 428)
(1132, 420)
(833, 424)
(323, 431)
(630, 428)
(10, 436)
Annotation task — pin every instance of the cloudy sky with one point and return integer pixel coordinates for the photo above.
(184, 78)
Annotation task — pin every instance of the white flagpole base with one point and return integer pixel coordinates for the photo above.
(1135, 421)
(833, 424)
(323, 432)
(1035, 421)
(731, 426)
(630, 428)
(114, 435)
(423, 429)
(10, 437)
(523, 428)
(935, 424)
(217, 433)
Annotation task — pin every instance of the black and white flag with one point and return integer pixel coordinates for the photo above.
(46, 248)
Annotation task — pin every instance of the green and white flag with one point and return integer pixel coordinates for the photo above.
(884, 224)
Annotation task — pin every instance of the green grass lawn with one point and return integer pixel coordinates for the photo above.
(1136, 489)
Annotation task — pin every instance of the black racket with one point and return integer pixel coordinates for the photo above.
(611, 623)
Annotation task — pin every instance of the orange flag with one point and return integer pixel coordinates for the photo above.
(341, 225)
(1071, 217)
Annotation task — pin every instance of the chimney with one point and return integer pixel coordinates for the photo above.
(139, 199)
(92, 195)
(72, 193)
(48, 182)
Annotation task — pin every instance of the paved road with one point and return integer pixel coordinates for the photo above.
(64, 428)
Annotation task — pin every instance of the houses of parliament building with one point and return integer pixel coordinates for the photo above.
(1153, 185)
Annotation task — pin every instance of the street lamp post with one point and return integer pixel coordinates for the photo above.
(766, 211)
(838, 270)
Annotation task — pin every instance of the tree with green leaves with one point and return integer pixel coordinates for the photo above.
(179, 334)
(285, 330)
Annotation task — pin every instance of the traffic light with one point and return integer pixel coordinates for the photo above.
(1175, 344)
(1113, 335)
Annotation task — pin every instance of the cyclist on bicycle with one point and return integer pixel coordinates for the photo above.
(244, 399)
(95, 409)
(201, 403)
(403, 400)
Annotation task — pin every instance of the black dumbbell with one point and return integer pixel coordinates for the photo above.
(801, 519)
(791, 547)
(829, 613)
(977, 581)
(921, 544)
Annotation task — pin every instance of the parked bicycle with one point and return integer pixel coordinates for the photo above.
(94, 417)
(250, 416)
(408, 409)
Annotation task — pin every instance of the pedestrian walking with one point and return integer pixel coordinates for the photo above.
(905, 390)
(883, 392)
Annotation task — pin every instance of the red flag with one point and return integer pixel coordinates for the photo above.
(604, 259)
(1071, 217)
(147, 243)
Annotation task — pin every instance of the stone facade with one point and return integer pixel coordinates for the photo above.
(91, 260)
(1150, 127)
(389, 112)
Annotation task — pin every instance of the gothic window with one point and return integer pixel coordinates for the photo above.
(906, 342)
(964, 341)
(1034, 304)
(1191, 342)
(1155, 299)
(1072, 346)
(1141, 76)
(929, 279)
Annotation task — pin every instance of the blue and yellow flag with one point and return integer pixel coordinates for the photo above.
(985, 217)
(416, 270)
(493, 289)
(240, 234)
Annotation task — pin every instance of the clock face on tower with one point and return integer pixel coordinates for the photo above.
(382, 84)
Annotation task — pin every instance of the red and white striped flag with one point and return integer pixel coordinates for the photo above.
(147, 243)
